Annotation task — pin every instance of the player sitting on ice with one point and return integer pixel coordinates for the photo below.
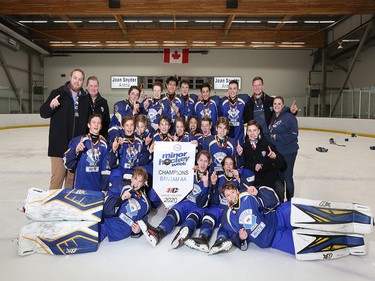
(307, 228)
(188, 212)
(123, 207)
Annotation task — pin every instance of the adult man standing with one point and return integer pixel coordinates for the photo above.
(98, 104)
(69, 108)
(259, 107)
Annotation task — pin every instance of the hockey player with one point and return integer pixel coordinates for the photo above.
(188, 100)
(247, 220)
(220, 145)
(155, 107)
(87, 156)
(174, 102)
(207, 106)
(180, 134)
(129, 107)
(127, 153)
(232, 107)
(217, 201)
(187, 212)
(123, 207)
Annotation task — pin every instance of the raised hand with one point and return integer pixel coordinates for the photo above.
(205, 179)
(214, 176)
(239, 148)
(293, 107)
(80, 146)
(271, 153)
(148, 139)
(55, 102)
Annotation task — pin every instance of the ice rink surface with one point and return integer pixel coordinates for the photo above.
(343, 174)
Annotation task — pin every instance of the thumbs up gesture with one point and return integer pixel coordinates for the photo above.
(80, 146)
(55, 102)
(293, 107)
(239, 148)
(271, 153)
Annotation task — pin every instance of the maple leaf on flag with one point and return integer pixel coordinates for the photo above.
(176, 55)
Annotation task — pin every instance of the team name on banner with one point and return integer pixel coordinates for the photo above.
(173, 175)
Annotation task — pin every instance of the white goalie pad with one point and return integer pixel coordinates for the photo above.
(321, 245)
(58, 238)
(331, 216)
(64, 204)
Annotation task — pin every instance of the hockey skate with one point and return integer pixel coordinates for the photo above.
(152, 234)
(220, 246)
(180, 238)
(198, 243)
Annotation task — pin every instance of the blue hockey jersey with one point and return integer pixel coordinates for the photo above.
(91, 165)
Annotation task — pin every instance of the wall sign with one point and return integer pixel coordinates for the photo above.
(222, 82)
(123, 82)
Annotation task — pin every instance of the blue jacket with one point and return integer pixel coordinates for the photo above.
(284, 132)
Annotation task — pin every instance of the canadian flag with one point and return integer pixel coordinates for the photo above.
(176, 55)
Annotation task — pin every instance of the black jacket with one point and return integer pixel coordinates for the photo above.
(268, 175)
(248, 113)
(64, 125)
(101, 107)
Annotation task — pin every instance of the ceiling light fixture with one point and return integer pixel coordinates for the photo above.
(340, 45)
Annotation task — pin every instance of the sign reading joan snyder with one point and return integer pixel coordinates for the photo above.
(173, 175)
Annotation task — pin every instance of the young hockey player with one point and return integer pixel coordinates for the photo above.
(334, 229)
(207, 106)
(217, 201)
(123, 207)
(187, 212)
(87, 156)
(220, 145)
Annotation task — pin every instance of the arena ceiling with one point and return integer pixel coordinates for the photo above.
(92, 26)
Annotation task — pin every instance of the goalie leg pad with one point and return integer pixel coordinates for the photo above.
(58, 238)
(321, 245)
(64, 204)
(331, 216)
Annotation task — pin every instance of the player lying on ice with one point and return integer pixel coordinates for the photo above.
(306, 228)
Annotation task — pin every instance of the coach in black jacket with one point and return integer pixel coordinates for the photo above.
(69, 109)
(98, 103)
(260, 107)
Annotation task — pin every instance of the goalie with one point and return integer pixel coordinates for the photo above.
(306, 228)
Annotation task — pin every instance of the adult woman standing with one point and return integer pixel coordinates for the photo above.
(284, 135)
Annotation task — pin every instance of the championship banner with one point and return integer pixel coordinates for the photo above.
(173, 174)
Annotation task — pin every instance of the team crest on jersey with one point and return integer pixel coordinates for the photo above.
(131, 155)
(247, 219)
(194, 193)
(93, 156)
(233, 114)
(206, 113)
(132, 207)
(152, 115)
(218, 158)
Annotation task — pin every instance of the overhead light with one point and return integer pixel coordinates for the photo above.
(246, 21)
(264, 43)
(138, 21)
(67, 21)
(350, 40)
(319, 21)
(282, 21)
(209, 21)
(33, 21)
(102, 21)
(340, 45)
